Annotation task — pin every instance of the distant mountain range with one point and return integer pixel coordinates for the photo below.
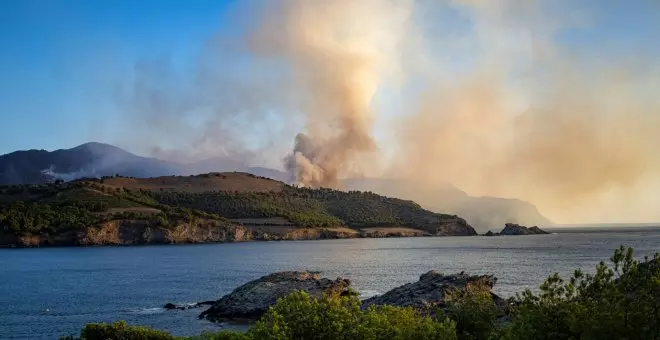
(98, 159)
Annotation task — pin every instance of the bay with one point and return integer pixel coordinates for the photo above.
(50, 292)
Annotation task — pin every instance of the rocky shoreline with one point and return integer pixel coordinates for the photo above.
(250, 301)
(138, 232)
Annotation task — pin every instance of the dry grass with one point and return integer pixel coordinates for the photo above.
(226, 181)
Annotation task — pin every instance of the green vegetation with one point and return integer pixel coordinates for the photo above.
(310, 207)
(119, 330)
(618, 302)
(58, 207)
(55, 208)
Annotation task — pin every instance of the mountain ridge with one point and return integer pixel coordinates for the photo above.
(95, 159)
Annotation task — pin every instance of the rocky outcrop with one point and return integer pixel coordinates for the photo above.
(515, 229)
(430, 291)
(140, 232)
(454, 226)
(298, 234)
(130, 232)
(391, 232)
(251, 300)
(172, 306)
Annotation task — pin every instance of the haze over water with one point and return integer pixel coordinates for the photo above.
(50, 292)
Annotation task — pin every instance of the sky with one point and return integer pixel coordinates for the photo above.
(550, 101)
(60, 58)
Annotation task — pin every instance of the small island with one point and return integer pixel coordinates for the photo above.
(512, 229)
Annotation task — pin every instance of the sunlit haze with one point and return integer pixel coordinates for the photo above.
(551, 102)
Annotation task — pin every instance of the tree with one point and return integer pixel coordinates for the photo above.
(619, 302)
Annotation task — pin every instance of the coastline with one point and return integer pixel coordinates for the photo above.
(135, 234)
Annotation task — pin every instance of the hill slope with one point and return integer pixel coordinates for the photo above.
(96, 160)
(206, 208)
(483, 213)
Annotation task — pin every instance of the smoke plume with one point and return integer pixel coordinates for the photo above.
(339, 53)
(537, 100)
(532, 119)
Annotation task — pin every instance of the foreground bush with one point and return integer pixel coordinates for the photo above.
(474, 312)
(622, 302)
(299, 316)
(120, 331)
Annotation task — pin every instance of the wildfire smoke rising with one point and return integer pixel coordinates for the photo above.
(339, 52)
(492, 96)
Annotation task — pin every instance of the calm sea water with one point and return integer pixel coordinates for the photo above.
(49, 292)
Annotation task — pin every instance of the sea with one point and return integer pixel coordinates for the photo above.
(46, 293)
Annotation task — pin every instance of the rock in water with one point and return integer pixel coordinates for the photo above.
(429, 291)
(538, 231)
(515, 229)
(171, 306)
(251, 300)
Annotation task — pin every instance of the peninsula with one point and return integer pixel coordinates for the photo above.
(213, 207)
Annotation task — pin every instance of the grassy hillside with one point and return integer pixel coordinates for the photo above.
(227, 198)
(226, 181)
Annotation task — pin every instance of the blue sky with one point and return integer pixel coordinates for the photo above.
(54, 53)
(58, 58)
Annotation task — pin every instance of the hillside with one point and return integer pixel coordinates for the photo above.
(97, 160)
(235, 182)
(483, 213)
(212, 207)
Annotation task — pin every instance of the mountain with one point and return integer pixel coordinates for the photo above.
(483, 213)
(214, 207)
(97, 160)
(86, 160)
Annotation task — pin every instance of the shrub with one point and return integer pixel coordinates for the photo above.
(120, 331)
(622, 302)
(473, 310)
(399, 323)
(222, 335)
(298, 316)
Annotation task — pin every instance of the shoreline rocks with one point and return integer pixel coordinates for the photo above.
(251, 300)
(136, 232)
(430, 291)
(171, 306)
